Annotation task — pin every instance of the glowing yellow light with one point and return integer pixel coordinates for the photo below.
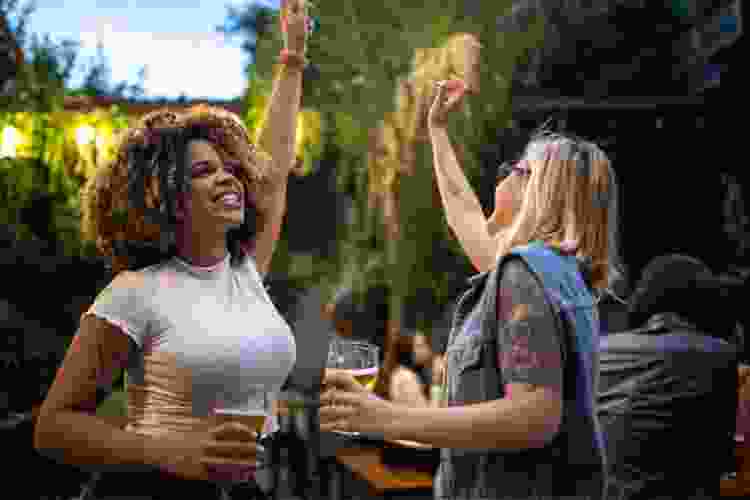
(9, 142)
(100, 142)
(85, 135)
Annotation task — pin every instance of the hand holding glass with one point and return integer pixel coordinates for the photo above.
(252, 413)
(359, 359)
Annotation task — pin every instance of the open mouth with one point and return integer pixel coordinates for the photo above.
(230, 200)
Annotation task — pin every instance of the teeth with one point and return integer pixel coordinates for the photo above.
(231, 198)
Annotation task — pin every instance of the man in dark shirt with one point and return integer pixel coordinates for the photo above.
(668, 386)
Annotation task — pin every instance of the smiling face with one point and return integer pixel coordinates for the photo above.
(217, 196)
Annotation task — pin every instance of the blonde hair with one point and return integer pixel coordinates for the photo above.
(570, 199)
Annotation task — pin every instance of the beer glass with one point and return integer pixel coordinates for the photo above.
(359, 359)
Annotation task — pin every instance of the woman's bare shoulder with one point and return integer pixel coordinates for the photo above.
(128, 279)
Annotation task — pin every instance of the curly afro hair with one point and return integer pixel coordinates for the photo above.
(128, 206)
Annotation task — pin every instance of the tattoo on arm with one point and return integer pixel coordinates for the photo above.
(529, 340)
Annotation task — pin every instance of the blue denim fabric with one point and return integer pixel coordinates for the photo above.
(573, 464)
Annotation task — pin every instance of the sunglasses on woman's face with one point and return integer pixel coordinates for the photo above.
(520, 167)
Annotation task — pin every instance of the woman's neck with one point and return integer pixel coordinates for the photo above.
(200, 250)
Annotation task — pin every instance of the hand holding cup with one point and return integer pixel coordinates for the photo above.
(295, 23)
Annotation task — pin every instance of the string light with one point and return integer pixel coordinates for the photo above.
(85, 135)
(9, 142)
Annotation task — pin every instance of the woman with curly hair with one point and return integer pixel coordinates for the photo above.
(189, 212)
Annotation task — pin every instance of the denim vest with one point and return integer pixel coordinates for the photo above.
(572, 464)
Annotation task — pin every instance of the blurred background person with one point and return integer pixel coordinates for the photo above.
(678, 361)
(363, 317)
(411, 378)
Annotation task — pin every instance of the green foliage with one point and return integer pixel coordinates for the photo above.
(681, 7)
(350, 135)
(42, 86)
(361, 49)
(41, 81)
(251, 22)
(116, 405)
(258, 89)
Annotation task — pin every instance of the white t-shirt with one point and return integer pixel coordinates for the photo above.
(206, 337)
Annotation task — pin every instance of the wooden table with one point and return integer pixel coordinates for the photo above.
(368, 477)
(739, 486)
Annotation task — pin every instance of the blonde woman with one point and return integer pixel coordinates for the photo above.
(521, 360)
(189, 213)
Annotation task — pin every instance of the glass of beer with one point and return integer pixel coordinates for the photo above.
(253, 419)
(252, 408)
(358, 358)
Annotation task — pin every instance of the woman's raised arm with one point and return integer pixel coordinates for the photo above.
(278, 131)
(462, 208)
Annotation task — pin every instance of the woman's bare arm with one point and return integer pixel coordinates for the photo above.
(462, 208)
(68, 429)
(277, 136)
(463, 211)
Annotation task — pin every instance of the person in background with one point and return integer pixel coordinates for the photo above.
(417, 371)
(429, 360)
(365, 317)
(361, 317)
(411, 379)
(425, 359)
(668, 383)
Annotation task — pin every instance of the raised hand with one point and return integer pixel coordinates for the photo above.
(295, 25)
(448, 96)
